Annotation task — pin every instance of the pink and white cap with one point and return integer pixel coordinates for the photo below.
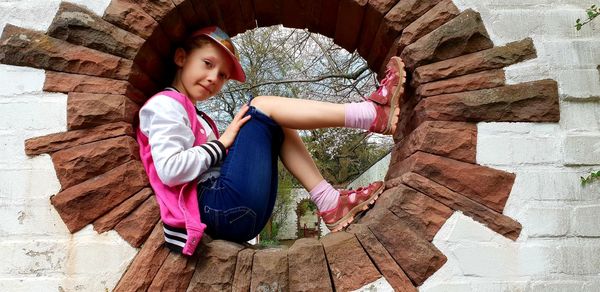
(224, 41)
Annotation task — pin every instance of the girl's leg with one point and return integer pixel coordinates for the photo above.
(379, 114)
(336, 209)
(302, 114)
(298, 161)
(240, 201)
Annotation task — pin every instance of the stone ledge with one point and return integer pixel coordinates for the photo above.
(535, 101)
(501, 224)
(55, 142)
(488, 186)
(469, 82)
(67, 83)
(494, 58)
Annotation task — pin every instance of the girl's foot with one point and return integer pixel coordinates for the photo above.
(351, 203)
(387, 97)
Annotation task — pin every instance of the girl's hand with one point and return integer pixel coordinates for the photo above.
(234, 127)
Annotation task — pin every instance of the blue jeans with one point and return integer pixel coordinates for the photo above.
(237, 205)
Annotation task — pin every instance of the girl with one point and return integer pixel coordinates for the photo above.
(230, 180)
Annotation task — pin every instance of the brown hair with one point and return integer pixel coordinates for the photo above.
(195, 43)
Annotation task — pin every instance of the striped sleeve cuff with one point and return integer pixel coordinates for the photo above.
(215, 150)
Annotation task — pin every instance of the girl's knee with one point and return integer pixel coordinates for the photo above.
(261, 102)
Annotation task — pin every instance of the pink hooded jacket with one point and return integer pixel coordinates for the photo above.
(178, 204)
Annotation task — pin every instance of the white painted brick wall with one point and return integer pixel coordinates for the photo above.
(38, 252)
(557, 250)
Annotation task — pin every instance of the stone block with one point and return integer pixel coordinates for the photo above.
(270, 270)
(80, 163)
(535, 101)
(488, 186)
(349, 23)
(130, 17)
(374, 13)
(494, 58)
(417, 257)
(146, 263)
(58, 141)
(441, 13)
(243, 271)
(469, 82)
(456, 140)
(174, 274)
(502, 224)
(87, 110)
(308, 267)
(216, 266)
(349, 265)
(109, 220)
(80, 26)
(382, 259)
(136, 226)
(66, 83)
(79, 205)
(397, 19)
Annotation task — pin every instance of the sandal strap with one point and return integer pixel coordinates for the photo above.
(380, 124)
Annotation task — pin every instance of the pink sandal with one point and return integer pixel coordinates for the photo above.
(351, 203)
(389, 93)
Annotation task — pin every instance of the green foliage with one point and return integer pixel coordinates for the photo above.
(266, 243)
(590, 178)
(591, 12)
(283, 203)
(306, 205)
(342, 154)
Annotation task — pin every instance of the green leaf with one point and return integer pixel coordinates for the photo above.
(590, 14)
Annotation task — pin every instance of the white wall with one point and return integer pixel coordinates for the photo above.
(38, 253)
(559, 247)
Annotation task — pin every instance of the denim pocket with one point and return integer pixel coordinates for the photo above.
(236, 224)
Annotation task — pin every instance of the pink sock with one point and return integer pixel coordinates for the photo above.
(360, 115)
(325, 196)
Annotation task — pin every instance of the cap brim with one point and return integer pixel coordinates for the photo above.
(238, 73)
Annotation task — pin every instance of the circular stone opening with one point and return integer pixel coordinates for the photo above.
(110, 65)
(301, 64)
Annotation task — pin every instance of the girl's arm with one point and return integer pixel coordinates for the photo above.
(165, 122)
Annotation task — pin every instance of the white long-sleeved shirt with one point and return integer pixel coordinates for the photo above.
(165, 122)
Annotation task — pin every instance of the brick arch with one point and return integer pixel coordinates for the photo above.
(298, 212)
(109, 65)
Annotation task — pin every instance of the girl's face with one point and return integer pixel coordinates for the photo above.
(203, 72)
